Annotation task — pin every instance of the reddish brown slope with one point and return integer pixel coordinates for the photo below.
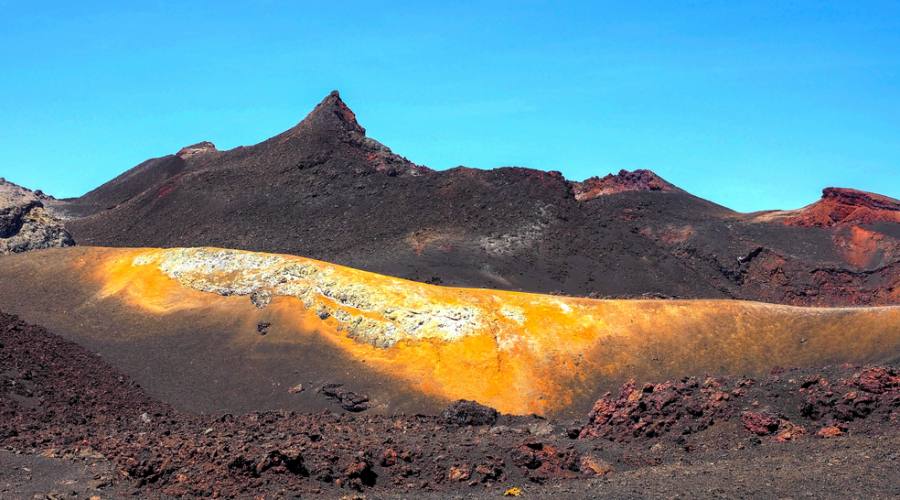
(842, 207)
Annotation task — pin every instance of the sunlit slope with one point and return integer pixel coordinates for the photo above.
(518, 352)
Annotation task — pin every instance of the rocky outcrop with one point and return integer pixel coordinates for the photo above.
(652, 410)
(780, 407)
(624, 181)
(196, 149)
(862, 229)
(846, 207)
(25, 223)
(389, 319)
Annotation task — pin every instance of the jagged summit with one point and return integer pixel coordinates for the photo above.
(330, 116)
(331, 134)
(624, 181)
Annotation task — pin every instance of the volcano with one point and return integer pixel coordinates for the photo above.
(316, 314)
(324, 189)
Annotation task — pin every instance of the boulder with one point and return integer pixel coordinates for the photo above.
(465, 412)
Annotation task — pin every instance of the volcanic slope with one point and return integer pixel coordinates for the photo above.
(324, 189)
(226, 330)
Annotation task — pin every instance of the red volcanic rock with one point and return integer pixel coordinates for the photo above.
(872, 391)
(869, 397)
(686, 406)
(830, 431)
(841, 206)
(766, 424)
(877, 380)
(591, 465)
(760, 423)
(459, 473)
(637, 180)
(789, 431)
(542, 461)
(359, 474)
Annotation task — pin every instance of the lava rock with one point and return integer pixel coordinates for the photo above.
(26, 224)
(348, 400)
(464, 412)
(877, 380)
(760, 423)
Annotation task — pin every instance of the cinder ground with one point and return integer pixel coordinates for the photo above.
(70, 422)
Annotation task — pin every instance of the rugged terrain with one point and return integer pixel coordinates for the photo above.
(25, 224)
(325, 190)
(73, 425)
(464, 332)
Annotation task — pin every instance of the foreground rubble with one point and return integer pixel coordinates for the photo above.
(61, 402)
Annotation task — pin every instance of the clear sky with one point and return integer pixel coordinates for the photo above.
(753, 106)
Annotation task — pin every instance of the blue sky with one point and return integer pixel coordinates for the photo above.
(753, 106)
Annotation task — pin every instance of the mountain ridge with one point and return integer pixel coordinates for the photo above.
(326, 190)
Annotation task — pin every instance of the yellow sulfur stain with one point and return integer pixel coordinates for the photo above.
(518, 352)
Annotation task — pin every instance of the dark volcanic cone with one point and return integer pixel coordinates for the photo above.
(324, 189)
(329, 117)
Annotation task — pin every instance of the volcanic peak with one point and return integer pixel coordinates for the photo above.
(843, 206)
(624, 181)
(330, 116)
